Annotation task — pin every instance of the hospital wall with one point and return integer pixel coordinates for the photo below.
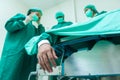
(73, 10)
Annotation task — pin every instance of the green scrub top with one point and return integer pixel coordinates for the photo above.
(15, 64)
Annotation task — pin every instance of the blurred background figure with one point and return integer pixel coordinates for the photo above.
(60, 17)
(91, 11)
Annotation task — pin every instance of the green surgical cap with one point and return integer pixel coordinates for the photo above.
(34, 10)
(58, 14)
(92, 7)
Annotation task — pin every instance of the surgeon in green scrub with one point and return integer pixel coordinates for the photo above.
(91, 11)
(46, 54)
(15, 64)
(60, 18)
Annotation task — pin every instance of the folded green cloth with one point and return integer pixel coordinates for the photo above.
(31, 45)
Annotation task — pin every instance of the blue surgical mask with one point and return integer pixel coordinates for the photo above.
(60, 20)
(89, 13)
(35, 17)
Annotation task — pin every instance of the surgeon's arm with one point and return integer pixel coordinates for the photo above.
(46, 57)
(16, 23)
(46, 54)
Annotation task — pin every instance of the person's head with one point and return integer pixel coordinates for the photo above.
(35, 13)
(90, 10)
(59, 16)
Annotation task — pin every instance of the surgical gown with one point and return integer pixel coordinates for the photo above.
(15, 64)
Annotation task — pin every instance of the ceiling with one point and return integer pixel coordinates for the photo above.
(43, 4)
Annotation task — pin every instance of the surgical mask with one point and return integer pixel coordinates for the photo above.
(35, 17)
(60, 20)
(89, 13)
